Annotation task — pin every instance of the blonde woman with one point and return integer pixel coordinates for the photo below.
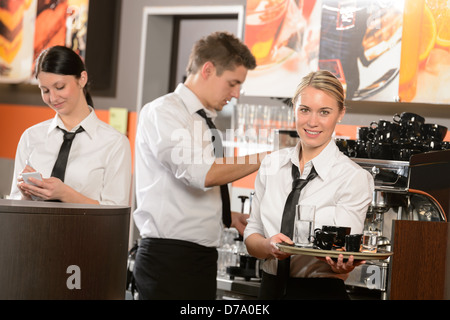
(341, 192)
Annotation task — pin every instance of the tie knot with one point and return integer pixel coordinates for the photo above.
(71, 135)
(298, 183)
(202, 113)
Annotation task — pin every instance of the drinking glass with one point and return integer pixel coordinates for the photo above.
(304, 225)
(369, 241)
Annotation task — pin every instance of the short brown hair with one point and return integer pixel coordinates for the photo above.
(224, 50)
(325, 81)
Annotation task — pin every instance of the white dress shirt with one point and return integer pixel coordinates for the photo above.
(341, 192)
(173, 156)
(99, 164)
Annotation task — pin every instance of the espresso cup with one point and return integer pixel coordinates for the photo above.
(411, 130)
(361, 149)
(434, 132)
(432, 145)
(379, 150)
(324, 239)
(384, 131)
(347, 147)
(353, 242)
(387, 136)
(404, 154)
(351, 148)
(341, 144)
(341, 232)
(408, 116)
(363, 133)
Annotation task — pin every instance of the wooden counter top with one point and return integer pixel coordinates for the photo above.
(62, 251)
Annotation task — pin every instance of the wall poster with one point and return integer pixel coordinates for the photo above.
(29, 26)
(360, 42)
(427, 30)
(381, 50)
(284, 37)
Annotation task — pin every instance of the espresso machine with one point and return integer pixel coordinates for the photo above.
(416, 190)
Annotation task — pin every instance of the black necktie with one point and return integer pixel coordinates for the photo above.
(218, 152)
(287, 222)
(59, 170)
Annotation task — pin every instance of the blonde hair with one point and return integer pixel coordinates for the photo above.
(325, 81)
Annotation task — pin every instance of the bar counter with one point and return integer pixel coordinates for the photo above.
(55, 250)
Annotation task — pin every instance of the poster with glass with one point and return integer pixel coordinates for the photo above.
(283, 35)
(381, 50)
(360, 42)
(425, 69)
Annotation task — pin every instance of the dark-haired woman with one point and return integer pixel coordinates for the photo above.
(98, 169)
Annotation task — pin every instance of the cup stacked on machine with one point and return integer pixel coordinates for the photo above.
(407, 134)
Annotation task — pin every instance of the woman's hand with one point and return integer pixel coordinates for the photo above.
(47, 189)
(54, 189)
(342, 267)
(266, 248)
(26, 195)
(271, 246)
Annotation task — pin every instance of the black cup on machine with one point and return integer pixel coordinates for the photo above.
(432, 145)
(351, 148)
(408, 116)
(385, 131)
(341, 232)
(347, 146)
(379, 150)
(403, 149)
(341, 144)
(404, 154)
(324, 239)
(364, 132)
(353, 242)
(361, 149)
(411, 130)
(434, 132)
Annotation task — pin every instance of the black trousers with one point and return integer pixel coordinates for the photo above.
(302, 289)
(167, 269)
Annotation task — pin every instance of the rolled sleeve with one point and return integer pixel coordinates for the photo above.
(178, 144)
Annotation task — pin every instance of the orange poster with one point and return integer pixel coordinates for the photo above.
(426, 54)
(29, 26)
(61, 22)
(16, 39)
(283, 35)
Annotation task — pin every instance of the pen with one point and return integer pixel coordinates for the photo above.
(28, 163)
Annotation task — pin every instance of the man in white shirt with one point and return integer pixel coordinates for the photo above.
(179, 204)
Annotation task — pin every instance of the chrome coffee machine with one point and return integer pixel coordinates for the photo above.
(418, 189)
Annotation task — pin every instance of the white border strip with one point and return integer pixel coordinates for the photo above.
(180, 10)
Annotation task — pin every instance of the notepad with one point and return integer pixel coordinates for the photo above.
(118, 119)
